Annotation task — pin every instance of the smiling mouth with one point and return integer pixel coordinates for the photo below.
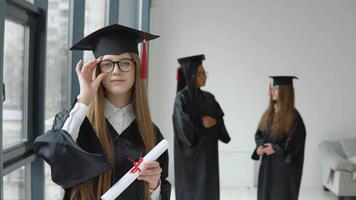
(117, 81)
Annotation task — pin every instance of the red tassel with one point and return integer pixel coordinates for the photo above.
(177, 76)
(144, 67)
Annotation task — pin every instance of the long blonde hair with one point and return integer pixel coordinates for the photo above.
(282, 121)
(85, 191)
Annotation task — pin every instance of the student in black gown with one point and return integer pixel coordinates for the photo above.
(280, 140)
(93, 144)
(198, 125)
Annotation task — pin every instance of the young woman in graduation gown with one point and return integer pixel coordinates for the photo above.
(93, 144)
(280, 140)
(198, 125)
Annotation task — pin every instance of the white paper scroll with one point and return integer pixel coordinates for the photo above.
(130, 177)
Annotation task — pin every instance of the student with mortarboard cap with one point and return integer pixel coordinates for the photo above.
(93, 144)
(280, 140)
(198, 126)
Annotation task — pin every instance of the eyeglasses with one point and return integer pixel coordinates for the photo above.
(124, 65)
(202, 74)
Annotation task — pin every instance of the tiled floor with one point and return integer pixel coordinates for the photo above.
(250, 194)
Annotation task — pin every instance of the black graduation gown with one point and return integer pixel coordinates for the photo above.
(74, 163)
(195, 147)
(280, 173)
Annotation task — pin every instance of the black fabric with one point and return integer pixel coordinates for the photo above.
(195, 147)
(280, 173)
(188, 61)
(283, 80)
(60, 151)
(114, 39)
(129, 143)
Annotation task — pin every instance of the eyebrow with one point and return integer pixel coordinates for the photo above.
(111, 60)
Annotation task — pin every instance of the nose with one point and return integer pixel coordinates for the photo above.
(116, 69)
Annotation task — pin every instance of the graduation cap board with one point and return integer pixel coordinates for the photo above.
(191, 60)
(116, 39)
(283, 80)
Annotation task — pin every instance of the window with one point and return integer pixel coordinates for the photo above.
(15, 76)
(57, 76)
(94, 19)
(21, 114)
(24, 115)
(15, 184)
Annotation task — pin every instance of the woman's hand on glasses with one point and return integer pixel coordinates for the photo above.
(88, 83)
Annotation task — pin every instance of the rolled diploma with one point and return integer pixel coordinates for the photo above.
(130, 177)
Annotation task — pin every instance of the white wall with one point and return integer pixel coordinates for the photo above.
(245, 42)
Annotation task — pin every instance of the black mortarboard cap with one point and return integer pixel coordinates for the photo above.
(191, 60)
(283, 80)
(113, 40)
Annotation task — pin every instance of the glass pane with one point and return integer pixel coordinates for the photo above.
(57, 71)
(94, 19)
(15, 185)
(15, 64)
(57, 76)
(53, 191)
(31, 1)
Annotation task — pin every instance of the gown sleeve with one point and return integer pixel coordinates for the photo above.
(75, 119)
(71, 163)
(223, 134)
(260, 140)
(184, 127)
(294, 144)
(212, 108)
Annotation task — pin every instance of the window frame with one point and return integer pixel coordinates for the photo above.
(16, 156)
(25, 15)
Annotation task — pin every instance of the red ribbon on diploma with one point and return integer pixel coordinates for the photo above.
(136, 167)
